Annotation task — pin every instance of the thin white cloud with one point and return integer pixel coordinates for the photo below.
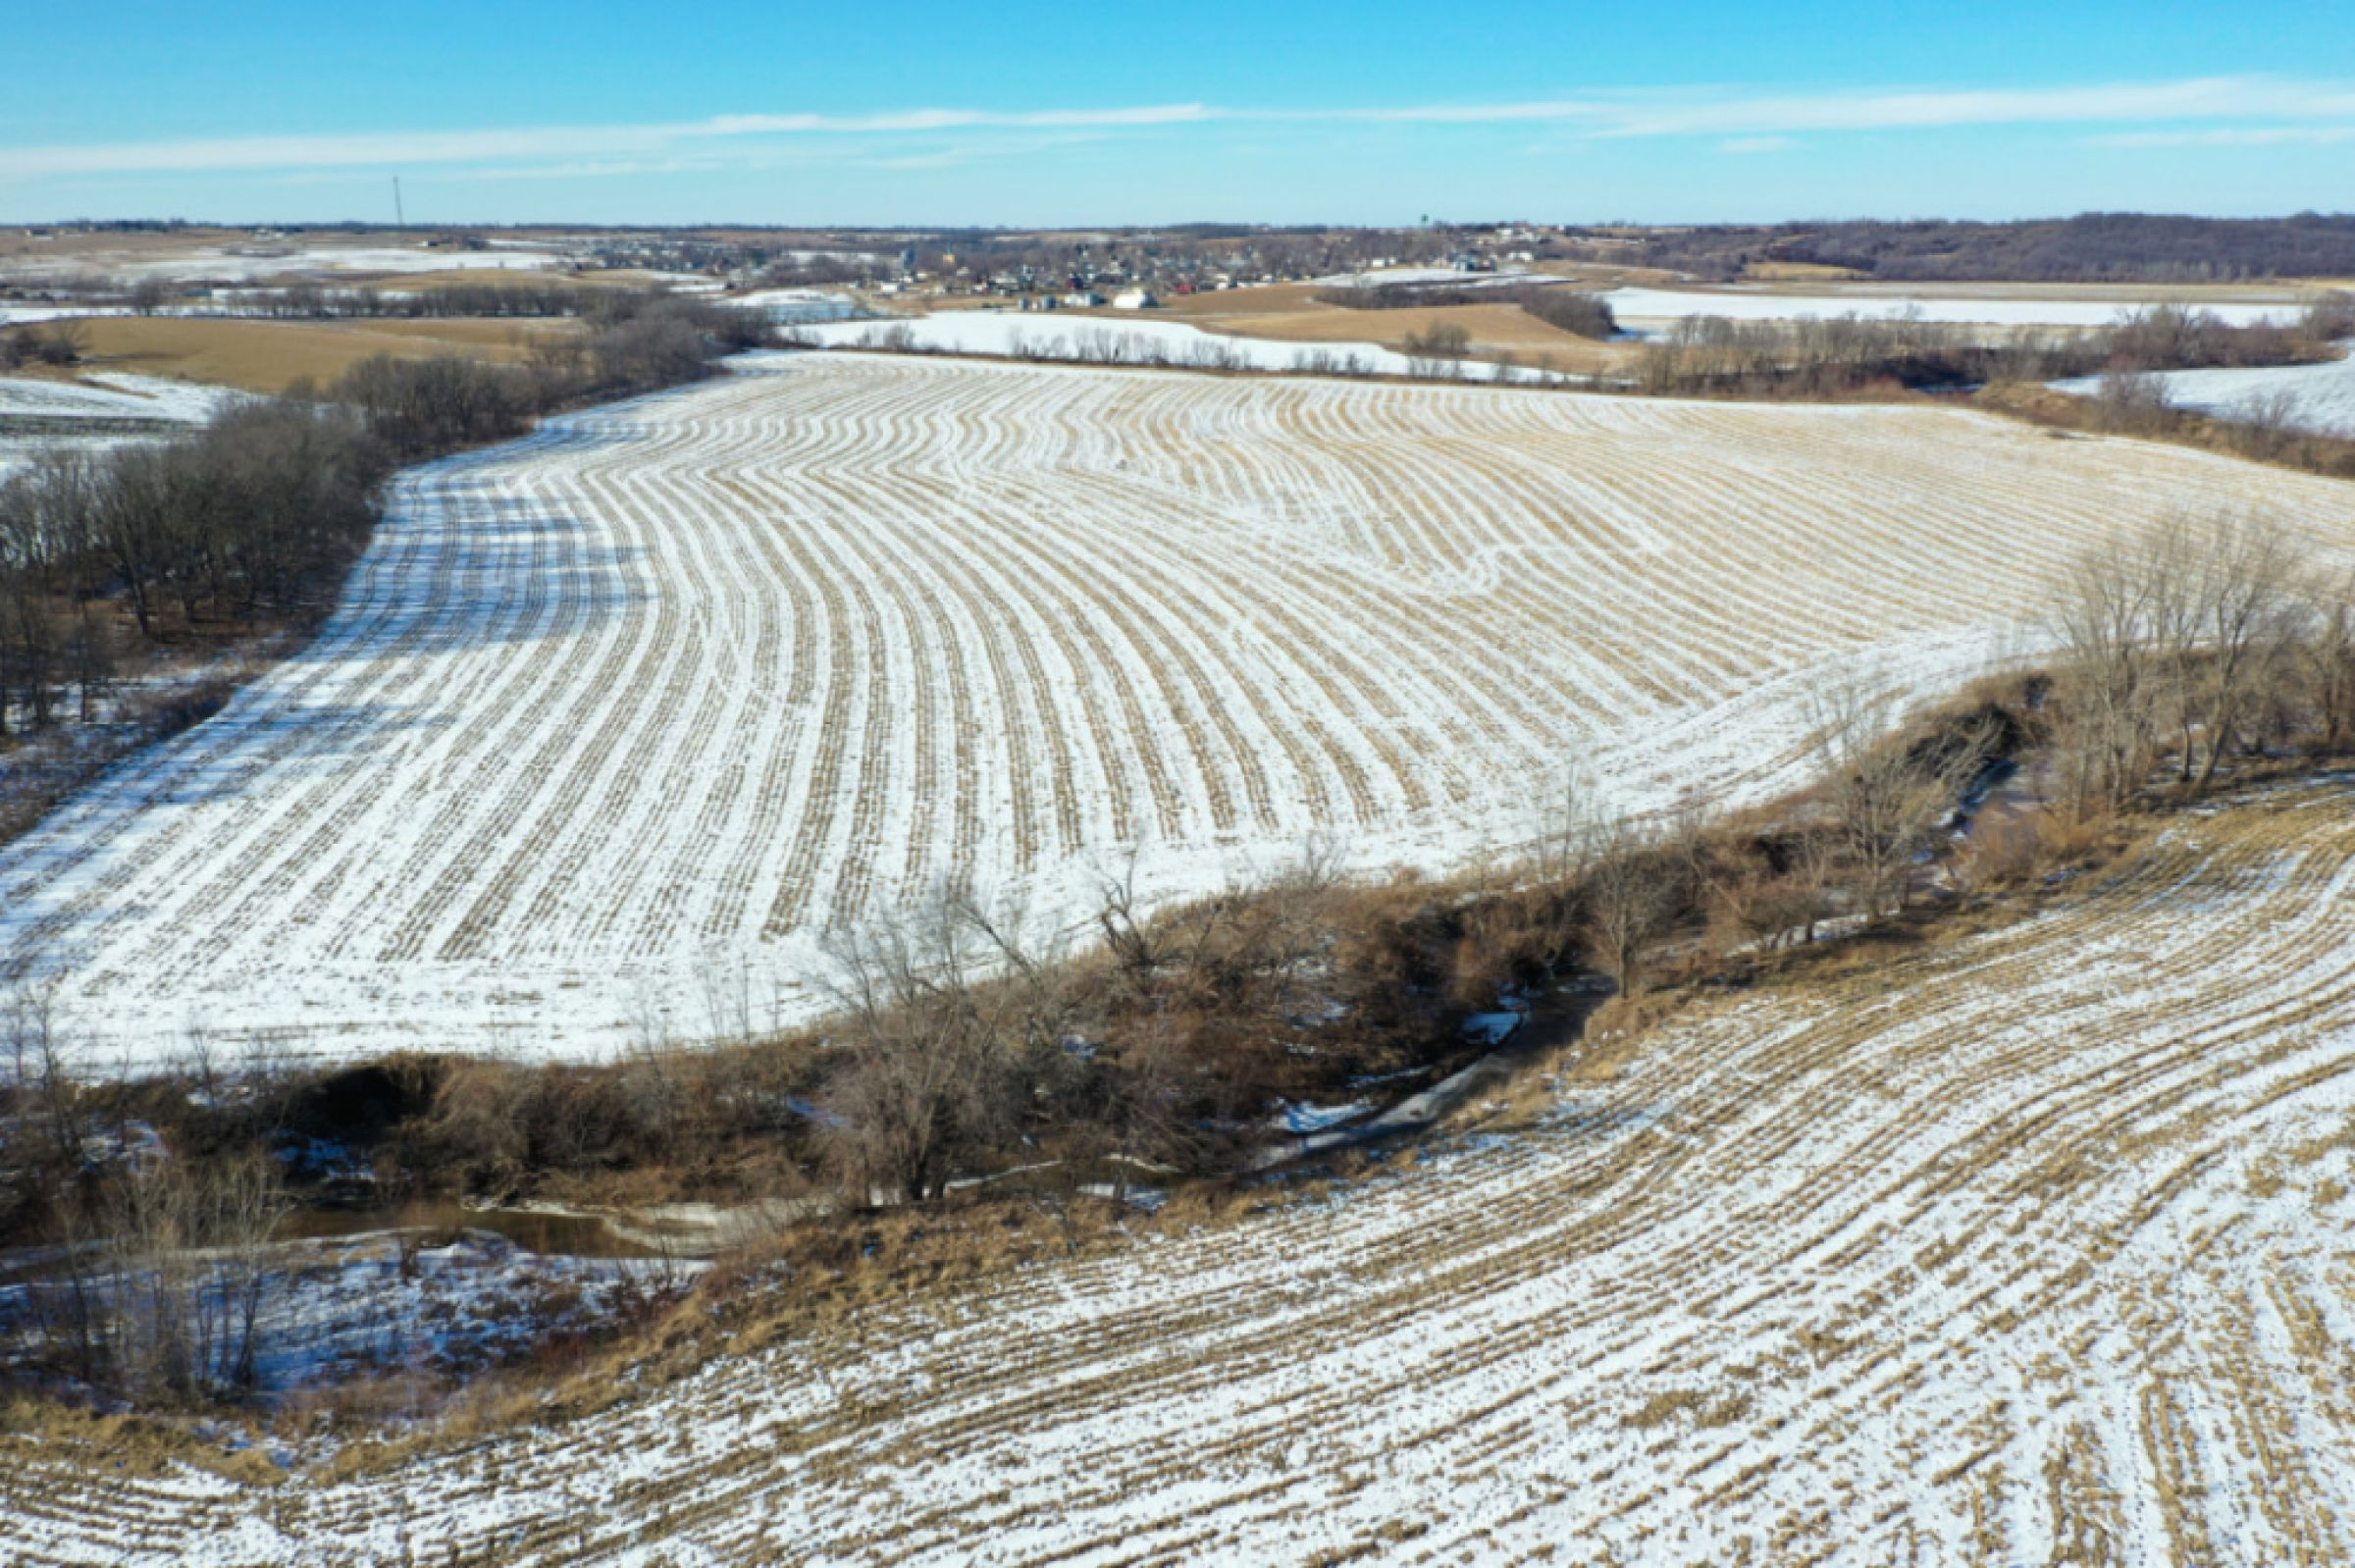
(567, 144)
(608, 170)
(2202, 99)
(1550, 111)
(1748, 121)
(2230, 136)
(1716, 111)
(1756, 144)
(1166, 114)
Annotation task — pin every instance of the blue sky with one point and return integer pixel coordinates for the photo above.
(1377, 112)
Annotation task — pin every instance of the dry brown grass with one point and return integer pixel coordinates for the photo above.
(2069, 417)
(1797, 272)
(17, 246)
(425, 282)
(1607, 275)
(123, 1444)
(1291, 313)
(1271, 300)
(1491, 327)
(268, 356)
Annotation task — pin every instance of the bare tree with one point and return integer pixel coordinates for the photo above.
(2132, 400)
(52, 1124)
(2327, 656)
(241, 1205)
(2268, 422)
(1780, 905)
(2245, 613)
(1142, 1118)
(1439, 351)
(930, 1071)
(1633, 887)
(63, 341)
(1889, 799)
(188, 1272)
(2111, 685)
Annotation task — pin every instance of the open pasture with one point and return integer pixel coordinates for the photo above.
(2030, 1247)
(616, 723)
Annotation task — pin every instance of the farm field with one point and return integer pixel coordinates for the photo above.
(41, 414)
(1065, 335)
(2323, 397)
(1259, 321)
(1491, 327)
(234, 257)
(1985, 305)
(616, 723)
(2031, 1246)
(265, 356)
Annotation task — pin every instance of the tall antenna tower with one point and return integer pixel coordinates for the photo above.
(400, 218)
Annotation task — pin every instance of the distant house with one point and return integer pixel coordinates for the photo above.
(1134, 300)
(1083, 299)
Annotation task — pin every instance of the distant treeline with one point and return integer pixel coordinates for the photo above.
(2092, 247)
(1810, 357)
(635, 342)
(254, 517)
(314, 302)
(1587, 315)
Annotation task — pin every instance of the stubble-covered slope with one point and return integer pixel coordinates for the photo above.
(2034, 1247)
(615, 722)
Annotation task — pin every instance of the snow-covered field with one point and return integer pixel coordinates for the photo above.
(1384, 276)
(115, 396)
(1659, 305)
(2323, 397)
(30, 315)
(796, 304)
(616, 721)
(37, 416)
(271, 261)
(1051, 335)
(2035, 1250)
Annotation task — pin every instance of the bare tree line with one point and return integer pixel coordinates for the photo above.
(1443, 353)
(255, 516)
(1572, 309)
(1821, 356)
(2208, 640)
(523, 297)
(962, 1047)
(161, 1269)
(2090, 247)
(53, 343)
